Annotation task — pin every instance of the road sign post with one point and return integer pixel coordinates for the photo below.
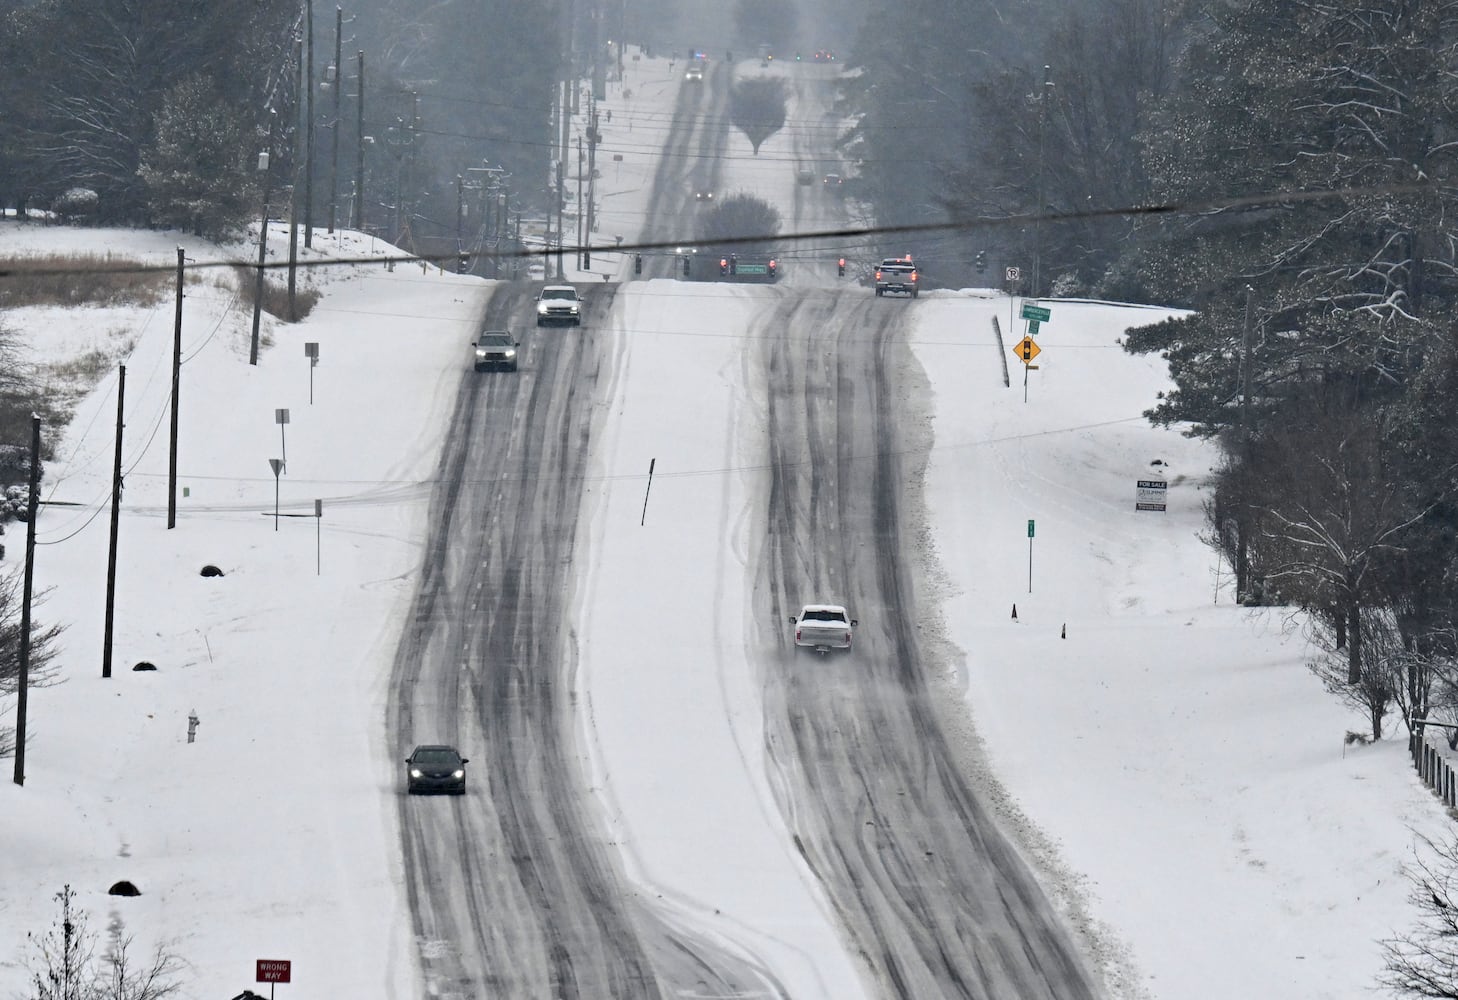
(1027, 349)
(1030, 555)
(273, 970)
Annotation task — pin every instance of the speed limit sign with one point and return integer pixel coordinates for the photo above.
(1013, 274)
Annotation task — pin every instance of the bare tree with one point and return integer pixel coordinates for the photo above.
(120, 978)
(1424, 962)
(62, 956)
(1332, 517)
(64, 965)
(43, 640)
(1379, 672)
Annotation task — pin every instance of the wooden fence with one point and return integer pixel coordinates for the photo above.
(1432, 766)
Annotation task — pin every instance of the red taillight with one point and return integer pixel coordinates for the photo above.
(797, 635)
(878, 275)
(913, 275)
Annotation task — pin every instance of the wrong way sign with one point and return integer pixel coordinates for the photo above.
(273, 970)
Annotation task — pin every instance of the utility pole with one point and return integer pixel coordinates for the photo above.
(309, 135)
(24, 690)
(176, 399)
(295, 159)
(460, 213)
(1242, 522)
(580, 244)
(116, 489)
(359, 162)
(264, 166)
(592, 141)
(561, 215)
(338, 83)
(1038, 209)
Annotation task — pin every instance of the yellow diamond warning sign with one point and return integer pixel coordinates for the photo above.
(1028, 349)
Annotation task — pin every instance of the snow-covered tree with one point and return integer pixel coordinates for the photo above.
(196, 171)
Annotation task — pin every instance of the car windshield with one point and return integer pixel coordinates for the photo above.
(495, 340)
(559, 293)
(437, 756)
(822, 615)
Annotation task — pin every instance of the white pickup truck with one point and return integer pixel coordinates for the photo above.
(823, 627)
(896, 274)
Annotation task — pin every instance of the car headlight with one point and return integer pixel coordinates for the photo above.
(511, 352)
(415, 772)
(458, 774)
(480, 352)
(573, 307)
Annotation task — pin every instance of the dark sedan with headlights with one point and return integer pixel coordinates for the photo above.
(435, 768)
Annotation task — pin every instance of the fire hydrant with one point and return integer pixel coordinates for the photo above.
(192, 726)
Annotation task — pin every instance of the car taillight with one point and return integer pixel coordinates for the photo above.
(913, 275)
(878, 275)
(797, 635)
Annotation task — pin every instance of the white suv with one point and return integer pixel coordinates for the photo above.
(559, 304)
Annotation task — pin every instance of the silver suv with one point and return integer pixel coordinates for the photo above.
(496, 349)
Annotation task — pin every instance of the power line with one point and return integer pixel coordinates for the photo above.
(957, 225)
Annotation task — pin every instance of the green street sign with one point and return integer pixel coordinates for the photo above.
(1036, 312)
(1030, 527)
(1032, 327)
(751, 269)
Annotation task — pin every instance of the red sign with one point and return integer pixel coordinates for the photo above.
(273, 970)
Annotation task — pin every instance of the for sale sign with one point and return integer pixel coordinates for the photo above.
(1149, 494)
(273, 970)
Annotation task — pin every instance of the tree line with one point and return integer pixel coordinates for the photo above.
(1284, 171)
(155, 112)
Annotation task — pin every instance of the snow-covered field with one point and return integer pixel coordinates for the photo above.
(1170, 764)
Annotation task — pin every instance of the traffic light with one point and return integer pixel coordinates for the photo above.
(638, 263)
(733, 263)
(723, 265)
(685, 267)
(772, 266)
(463, 262)
(840, 267)
(981, 261)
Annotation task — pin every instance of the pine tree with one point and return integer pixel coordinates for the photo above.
(196, 171)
